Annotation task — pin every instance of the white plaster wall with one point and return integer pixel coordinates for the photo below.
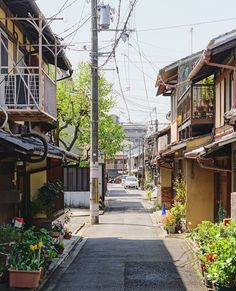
(77, 199)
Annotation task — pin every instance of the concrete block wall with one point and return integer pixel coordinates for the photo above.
(77, 199)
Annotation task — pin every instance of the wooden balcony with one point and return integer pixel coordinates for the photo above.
(195, 109)
(28, 95)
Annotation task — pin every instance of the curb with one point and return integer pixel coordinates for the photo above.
(60, 261)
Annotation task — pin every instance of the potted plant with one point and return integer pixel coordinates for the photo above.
(60, 246)
(25, 266)
(43, 206)
(29, 256)
(169, 223)
(222, 270)
(67, 233)
(57, 228)
(9, 236)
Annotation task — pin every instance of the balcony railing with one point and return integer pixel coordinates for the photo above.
(203, 101)
(197, 105)
(21, 92)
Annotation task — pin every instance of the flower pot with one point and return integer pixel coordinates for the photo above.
(67, 236)
(55, 234)
(24, 279)
(60, 250)
(222, 288)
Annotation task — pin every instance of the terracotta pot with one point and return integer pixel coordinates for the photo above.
(24, 279)
(55, 234)
(60, 250)
(67, 236)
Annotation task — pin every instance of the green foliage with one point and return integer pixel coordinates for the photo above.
(216, 244)
(34, 250)
(179, 208)
(73, 103)
(180, 190)
(57, 226)
(149, 195)
(223, 268)
(222, 213)
(179, 213)
(9, 234)
(45, 202)
(168, 221)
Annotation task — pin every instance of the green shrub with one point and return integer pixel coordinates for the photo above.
(149, 195)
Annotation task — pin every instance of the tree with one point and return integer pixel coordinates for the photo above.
(73, 103)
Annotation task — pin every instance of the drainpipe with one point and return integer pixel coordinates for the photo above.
(199, 160)
(66, 77)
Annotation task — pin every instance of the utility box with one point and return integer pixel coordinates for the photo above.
(105, 16)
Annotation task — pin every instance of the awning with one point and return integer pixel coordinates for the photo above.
(216, 51)
(211, 147)
(28, 146)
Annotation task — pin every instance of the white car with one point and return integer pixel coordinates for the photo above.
(131, 182)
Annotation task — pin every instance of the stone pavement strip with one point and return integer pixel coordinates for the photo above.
(126, 252)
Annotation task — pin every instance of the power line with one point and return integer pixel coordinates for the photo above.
(154, 67)
(187, 25)
(75, 31)
(121, 90)
(144, 80)
(118, 39)
(64, 7)
(78, 26)
(139, 68)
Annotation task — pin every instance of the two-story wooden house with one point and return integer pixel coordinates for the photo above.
(219, 61)
(29, 54)
(192, 121)
(202, 89)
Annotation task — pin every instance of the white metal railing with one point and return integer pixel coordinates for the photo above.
(19, 90)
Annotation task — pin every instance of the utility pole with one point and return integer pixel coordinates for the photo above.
(143, 165)
(94, 169)
(129, 159)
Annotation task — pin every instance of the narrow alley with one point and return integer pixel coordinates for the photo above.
(126, 252)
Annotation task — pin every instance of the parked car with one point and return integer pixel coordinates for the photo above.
(131, 182)
(123, 180)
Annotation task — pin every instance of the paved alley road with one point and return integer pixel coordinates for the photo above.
(126, 252)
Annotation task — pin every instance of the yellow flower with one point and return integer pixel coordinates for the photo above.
(40, 244)
(35, 247)
(32, 248)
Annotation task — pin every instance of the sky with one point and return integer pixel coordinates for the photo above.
(162, 34)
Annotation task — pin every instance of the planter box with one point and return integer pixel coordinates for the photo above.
(24, 279)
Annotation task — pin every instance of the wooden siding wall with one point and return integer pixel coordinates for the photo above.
(54, 174)
(8, 197)
(76, 178)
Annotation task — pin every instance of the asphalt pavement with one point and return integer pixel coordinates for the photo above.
(126, 251)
